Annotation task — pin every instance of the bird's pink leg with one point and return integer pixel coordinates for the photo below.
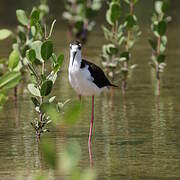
(90, 156)
(92, 120)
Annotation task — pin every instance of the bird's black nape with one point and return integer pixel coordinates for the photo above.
(76, 42)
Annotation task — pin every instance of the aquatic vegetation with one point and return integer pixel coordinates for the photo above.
(80, 16)
(32, 53)
(28, 31)
(159, 41)
(43, 67)
(9, 76)
(122, 35)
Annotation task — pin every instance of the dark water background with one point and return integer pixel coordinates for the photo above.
(136, 136)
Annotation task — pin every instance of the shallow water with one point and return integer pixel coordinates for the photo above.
(135, 136)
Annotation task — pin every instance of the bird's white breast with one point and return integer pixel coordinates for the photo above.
(82, 82)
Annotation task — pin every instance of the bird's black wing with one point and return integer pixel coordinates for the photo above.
(97, 74)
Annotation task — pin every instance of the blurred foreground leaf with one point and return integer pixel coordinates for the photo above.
(41, 177)
(14, 59)
(70, 116)
(70, 157)
(73, 112)
(3, 99)
(9, 80)
(4, 33)
(49, 152)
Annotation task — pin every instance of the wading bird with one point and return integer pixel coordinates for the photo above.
(86, 78)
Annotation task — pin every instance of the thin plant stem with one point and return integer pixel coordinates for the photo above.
(125, 64)
(157, 65)
(51, 30)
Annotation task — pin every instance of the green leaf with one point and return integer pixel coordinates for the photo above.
(166, 4)
(22, 18)
(49, 152)
(34, 17)
(52, 99)
(59, 63)
(13, 59)
(60, 59)
(22, 37)
(161, 28)
(108, 17)
(114, 13)
(51, 110)
(72, 114)
(110, 49)
(70, 158)
(125, 55)
(161, 58)
(44, 8)
(46, 50)
(54, 58)
(46, 88)
(34, 90)
(164, 40)
(36, 45)
(107, 33)
(131, 20)
(127, 1)
(158, 6)
(3, 99)
(9, 80)
(35, 101)
(4, 33)
(31, 55)
(134, 1)
(153, 44)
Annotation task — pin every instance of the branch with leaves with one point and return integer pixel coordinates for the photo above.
(39, 56)
(122, 37)
(159, 41)
(29, 30)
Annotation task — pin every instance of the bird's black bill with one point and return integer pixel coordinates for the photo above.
(74, 54)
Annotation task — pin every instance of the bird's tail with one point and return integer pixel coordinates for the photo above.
(114, 85)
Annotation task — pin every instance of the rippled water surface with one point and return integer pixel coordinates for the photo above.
(135, 137)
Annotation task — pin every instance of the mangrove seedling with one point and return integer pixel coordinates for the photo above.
(159, 41)
(39, 56)
(28, 31)
(132, 33)
(80, 16)
(122, 36)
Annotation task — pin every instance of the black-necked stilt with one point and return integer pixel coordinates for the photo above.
(86, 78)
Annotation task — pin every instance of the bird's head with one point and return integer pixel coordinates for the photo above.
(75, 50)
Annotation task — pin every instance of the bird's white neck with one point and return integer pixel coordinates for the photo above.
(76, 63)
